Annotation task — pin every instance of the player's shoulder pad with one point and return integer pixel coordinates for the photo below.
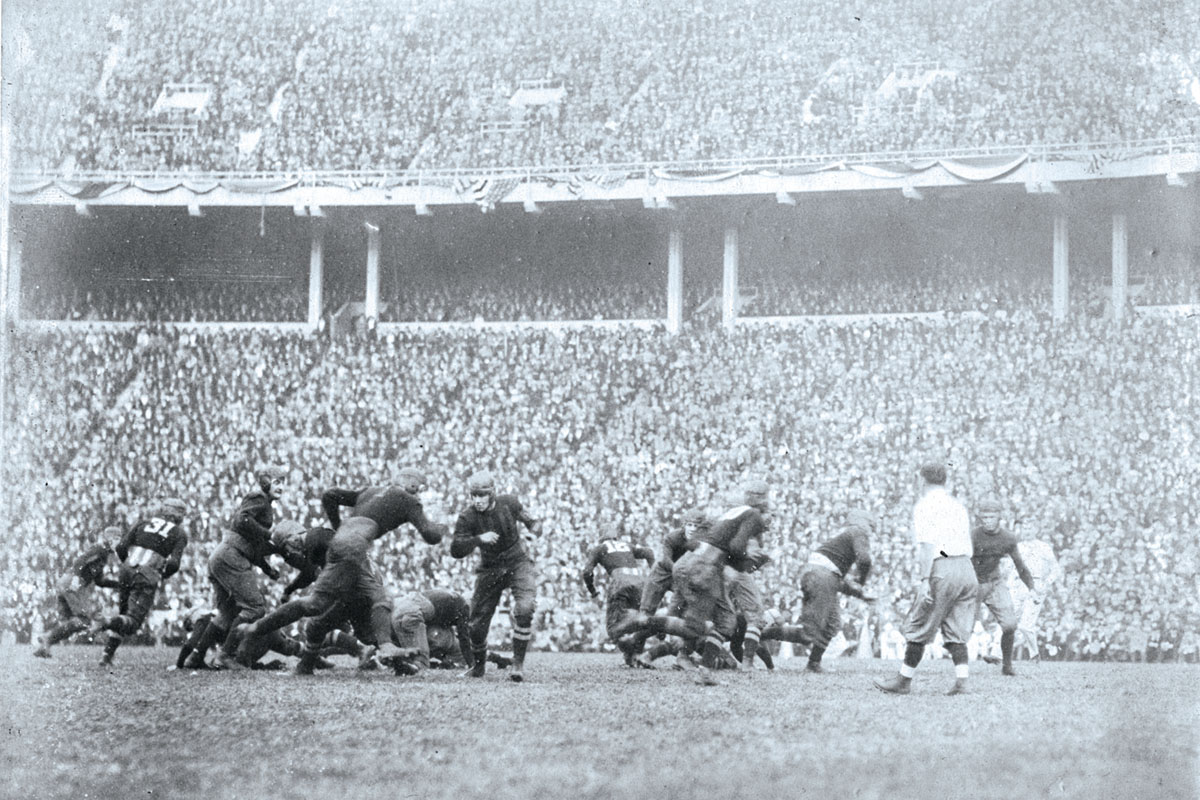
(509, 500)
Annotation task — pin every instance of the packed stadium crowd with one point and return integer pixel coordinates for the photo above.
(318, 85)
(1082, 429)
(543, 291)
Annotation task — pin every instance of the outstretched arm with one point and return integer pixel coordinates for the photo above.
(332, 501)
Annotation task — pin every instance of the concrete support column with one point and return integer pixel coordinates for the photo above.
(1061, 271)
(1120, 265)
(371, 304)
(674, 280)
(12, 305)
(729, 289)
(316, 277)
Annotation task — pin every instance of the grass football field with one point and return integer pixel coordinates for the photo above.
(584, 726)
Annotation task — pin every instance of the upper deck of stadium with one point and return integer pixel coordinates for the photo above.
(173, 86)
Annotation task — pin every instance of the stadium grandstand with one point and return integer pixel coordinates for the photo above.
(624, 255)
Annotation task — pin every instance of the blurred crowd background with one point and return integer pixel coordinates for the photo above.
(350, 85)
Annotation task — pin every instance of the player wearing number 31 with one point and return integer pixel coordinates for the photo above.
(150, 553)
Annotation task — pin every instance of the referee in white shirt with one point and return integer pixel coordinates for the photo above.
(946, 596)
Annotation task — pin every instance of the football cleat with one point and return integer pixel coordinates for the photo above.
(224, 661)
(42, 650)
(195, 661)
(897, 685)
(959, 687)
(517, 675)
(1007, 669)
(815, 668)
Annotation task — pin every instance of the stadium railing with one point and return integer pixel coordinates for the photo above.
(438, 176)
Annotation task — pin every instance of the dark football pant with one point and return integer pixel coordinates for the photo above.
(700, 585)
(624, 598)
(237, 594)
(490, 582)
(820, 616)
(137, 592)
(656, 588)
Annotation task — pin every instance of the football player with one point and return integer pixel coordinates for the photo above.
(993, 543)
(417, 613)
(237, 596)
(150, 552)
(840, 565)
(489, 524)
(626, 584)
(76, 598)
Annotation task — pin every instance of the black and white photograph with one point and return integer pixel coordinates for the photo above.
(648, 399)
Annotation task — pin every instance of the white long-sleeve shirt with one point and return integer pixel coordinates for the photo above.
(942, 521)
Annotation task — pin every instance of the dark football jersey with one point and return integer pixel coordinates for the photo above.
(847, 548)
(990, 548)
(733, 530)
(388, 507)
(153, 544)
(250, 527)
(675, 544)
(501, 518)
(311, 558)
(449, 609)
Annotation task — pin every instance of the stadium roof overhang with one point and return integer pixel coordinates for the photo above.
(1039, 170)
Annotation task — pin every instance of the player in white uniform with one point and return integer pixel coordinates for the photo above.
(1039, 558)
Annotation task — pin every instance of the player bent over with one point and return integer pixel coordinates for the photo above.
(237, 596)
(948, 588)
(626, 584)
(991, 543)
(489, 524)
(840, 565)
(150, 552)
(699, 580)
(417, 613)
(350, 585)
(76, 598)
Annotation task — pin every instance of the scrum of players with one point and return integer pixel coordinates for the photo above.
(709, 566)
